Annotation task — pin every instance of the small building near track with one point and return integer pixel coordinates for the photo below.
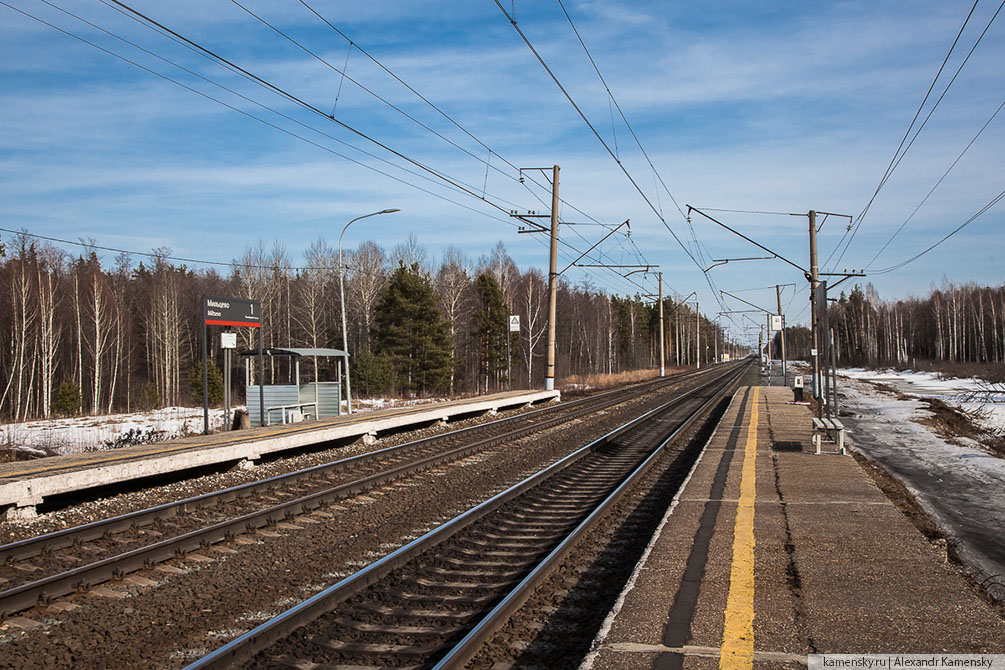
(296, 401)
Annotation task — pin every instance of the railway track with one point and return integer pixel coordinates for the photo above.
(40, 569)
(435, 601)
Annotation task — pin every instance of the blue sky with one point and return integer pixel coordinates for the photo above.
(780, 107)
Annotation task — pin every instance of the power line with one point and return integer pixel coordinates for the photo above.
(958, 228)
(381, 99)
(451, 181)
(438, 110)
(937, 184)
(921, 106)
(589, 125)
(249, 100)
(618, 107)
(617, 160)
(899, 154)
(252, 77)
(248, 114)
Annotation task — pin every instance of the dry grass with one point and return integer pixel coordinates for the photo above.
(603, 381)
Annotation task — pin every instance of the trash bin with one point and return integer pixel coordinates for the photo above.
(797, 388)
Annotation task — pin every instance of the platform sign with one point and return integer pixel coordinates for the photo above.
(776, 322)
(217, 311)
(231, 312)
(514, 323)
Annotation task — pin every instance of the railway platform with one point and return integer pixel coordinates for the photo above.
(25, 484)
(771, 552)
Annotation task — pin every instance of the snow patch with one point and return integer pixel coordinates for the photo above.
(981, 399)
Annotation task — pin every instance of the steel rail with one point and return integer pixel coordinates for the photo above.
(42, 590)
(60, 539)
(466, 649)
(264, 635)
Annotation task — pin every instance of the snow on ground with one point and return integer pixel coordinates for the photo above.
(960, 487)
(977, 397)
(88, 433)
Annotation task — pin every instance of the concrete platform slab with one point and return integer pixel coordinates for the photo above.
(25, 484)
(836, 567)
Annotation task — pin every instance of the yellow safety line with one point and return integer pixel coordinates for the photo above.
(738, 632)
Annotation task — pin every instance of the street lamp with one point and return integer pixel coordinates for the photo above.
(341, 295)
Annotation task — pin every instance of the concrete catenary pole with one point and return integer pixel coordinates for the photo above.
(781, 333)
(663, 367)
(814, 280)
(549, 375)
(697, 336)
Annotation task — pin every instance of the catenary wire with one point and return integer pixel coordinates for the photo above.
(937, 184)
(232, 108)
(252, 116)
(237, 69)
(897, 159)
(575, 106)
(528, 176)
(618, 107)
(994, 201)
(921, 106)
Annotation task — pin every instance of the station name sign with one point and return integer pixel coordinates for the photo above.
(231, 312)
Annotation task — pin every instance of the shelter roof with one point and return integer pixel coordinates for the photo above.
(297, 351)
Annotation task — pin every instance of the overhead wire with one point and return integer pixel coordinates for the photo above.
(237, 69)
(527, 176)
(937, 184)
(176, 37)
(614, 100)
(917, 113)
(241, 111)
(603, 143)
(589, 124)
(433, 106)
(370, 91)
(994, 201)
(902, 149)
(699, 247)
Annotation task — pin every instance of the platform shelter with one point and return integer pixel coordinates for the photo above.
(295, 401)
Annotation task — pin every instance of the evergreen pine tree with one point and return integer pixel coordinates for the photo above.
(67, 399)
(215, 384)
(412, 333)
(492, 327)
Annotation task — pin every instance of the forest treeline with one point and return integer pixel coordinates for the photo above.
(953, 324)
(83, 334)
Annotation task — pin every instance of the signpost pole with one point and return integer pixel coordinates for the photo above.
(509, 367)
(205, 374)
(514, 327)
(261, 381)
(226, 389)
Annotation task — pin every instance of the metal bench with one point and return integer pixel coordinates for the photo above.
(292, 413)
(830, 429)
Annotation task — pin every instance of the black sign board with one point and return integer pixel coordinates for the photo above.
(231, 312)
(820, 300)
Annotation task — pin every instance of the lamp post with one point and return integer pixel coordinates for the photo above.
(341, 295)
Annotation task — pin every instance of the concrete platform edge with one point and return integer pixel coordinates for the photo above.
(21, 495)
